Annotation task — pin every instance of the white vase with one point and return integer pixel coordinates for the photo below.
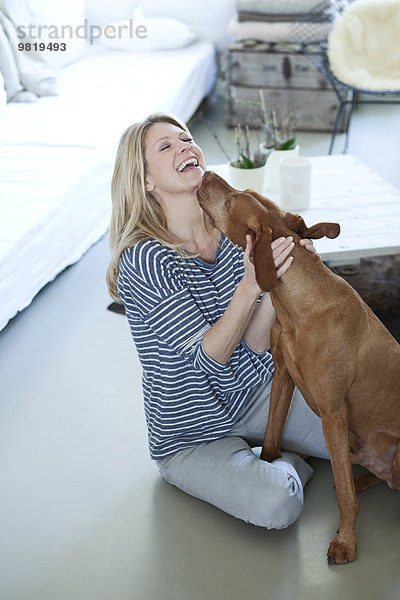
(243, 179)
(294, 183)
(272, 167)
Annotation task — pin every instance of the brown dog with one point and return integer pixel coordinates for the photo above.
(327, 342)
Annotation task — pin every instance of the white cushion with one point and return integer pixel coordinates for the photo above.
(142, 34)
(364, 48)
(103, 12)
(208, 18)
(51, 15)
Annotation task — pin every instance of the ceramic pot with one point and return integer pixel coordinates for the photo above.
(242, 179)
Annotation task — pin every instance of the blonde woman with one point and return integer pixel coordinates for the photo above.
(201, 327)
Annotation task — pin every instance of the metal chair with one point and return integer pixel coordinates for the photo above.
(311, 32)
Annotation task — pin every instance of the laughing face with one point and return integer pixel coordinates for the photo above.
(175, 164)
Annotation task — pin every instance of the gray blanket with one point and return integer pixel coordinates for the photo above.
(293, 7)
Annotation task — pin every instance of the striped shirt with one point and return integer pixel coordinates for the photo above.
(171, 301)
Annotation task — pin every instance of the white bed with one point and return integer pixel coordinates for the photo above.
(103, 93)
(57, 155)
(49, 219)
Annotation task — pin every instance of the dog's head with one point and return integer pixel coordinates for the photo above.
(237, 214)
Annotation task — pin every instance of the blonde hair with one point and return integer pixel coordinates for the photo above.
(136, 215)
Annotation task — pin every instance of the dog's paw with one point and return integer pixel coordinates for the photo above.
(270, 451)
(269, 456)
(341, 552)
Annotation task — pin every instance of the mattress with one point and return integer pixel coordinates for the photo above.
(103, 93)
(57, 157)
(54, 204)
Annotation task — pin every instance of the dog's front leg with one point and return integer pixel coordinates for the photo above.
(281, 397)
(336, 432)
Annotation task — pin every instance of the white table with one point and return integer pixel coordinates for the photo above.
(367, 207)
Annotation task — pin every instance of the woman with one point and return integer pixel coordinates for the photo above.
(201, 327)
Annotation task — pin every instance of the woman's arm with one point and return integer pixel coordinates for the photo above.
(240, 319)
(222, 338)
(258, 331)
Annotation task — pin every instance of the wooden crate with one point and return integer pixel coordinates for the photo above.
(290, 82)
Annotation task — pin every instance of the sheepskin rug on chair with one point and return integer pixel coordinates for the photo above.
(364, 47)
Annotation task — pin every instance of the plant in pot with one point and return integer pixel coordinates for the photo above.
(247, 171)
(279, 143)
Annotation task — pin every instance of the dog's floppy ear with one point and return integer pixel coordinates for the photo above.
(296, 223)
(262, 257)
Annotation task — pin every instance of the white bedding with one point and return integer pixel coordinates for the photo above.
(57, 156)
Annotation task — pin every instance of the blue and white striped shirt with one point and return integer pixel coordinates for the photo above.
(171, 302)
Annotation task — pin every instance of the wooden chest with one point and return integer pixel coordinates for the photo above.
(290, 82)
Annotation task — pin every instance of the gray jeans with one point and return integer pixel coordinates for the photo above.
(229, 474)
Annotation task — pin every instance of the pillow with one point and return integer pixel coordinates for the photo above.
(103, 12)
(208, 18)
(51, 22)
(142, 34)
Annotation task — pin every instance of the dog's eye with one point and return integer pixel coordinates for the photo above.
(228, 203)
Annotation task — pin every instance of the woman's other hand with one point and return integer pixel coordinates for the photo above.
(249, 277)
(308, 245)
(282, 247)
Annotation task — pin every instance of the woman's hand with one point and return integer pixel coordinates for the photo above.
(281, 249)
(308, 244)
(249, 277)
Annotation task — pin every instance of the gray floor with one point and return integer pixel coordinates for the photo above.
(84, 513)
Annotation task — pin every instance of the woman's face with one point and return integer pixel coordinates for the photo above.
(175, 164)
